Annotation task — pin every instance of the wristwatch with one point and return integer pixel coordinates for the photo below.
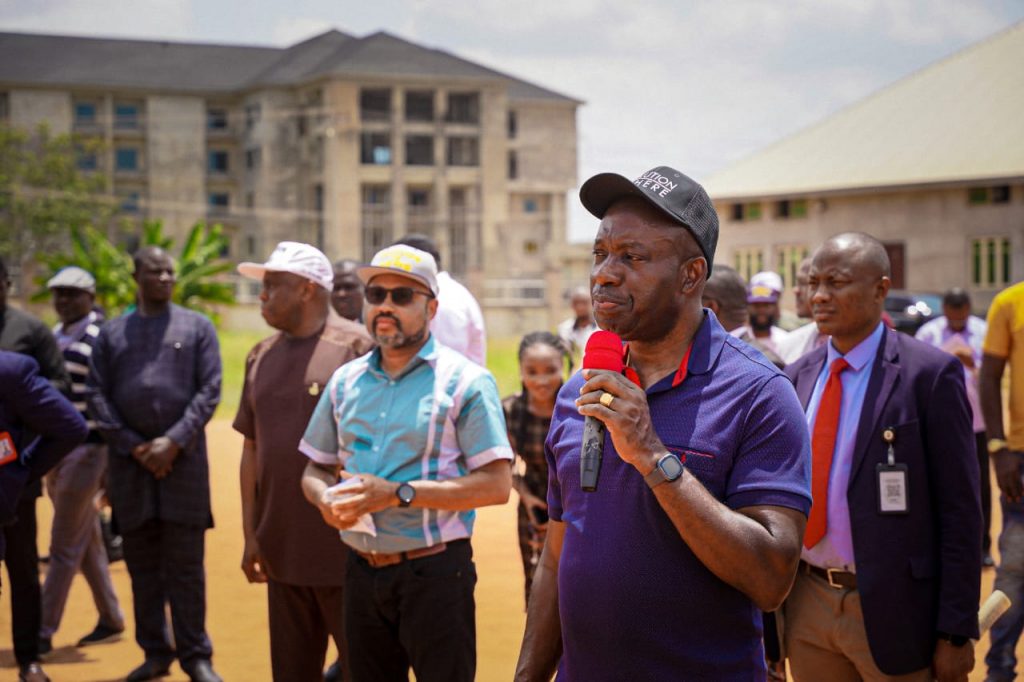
(996, 444)
(955, 640)
(405, 494)
(668, 469)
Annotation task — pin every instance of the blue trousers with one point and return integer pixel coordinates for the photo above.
(1001, 660)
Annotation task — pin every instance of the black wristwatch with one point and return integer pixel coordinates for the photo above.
(955, 640)
(668, 469)
(405, 494)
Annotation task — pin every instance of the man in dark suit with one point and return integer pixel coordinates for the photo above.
(29, 405)
(155, 381)
(890, 573)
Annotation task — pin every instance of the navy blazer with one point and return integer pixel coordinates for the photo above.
(918, 572)
(29, 405)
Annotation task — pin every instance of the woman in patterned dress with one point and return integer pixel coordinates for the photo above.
(542, 361)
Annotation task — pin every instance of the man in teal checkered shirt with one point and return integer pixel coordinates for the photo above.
(416, 433)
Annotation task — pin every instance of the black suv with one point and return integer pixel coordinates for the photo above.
(910, 309)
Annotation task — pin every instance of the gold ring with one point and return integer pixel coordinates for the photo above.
(606, 399)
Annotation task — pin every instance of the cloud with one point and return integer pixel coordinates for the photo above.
(166, 19)
(296, 29)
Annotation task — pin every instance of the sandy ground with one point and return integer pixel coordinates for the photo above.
(237, 619)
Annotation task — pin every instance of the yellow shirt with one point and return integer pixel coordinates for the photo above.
(1005, 339)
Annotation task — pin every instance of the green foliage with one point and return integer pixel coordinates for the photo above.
(199, 264)
(91, 250)
(198, 267)
(42, 191)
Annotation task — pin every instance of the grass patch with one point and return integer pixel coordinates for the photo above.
(234, 346)
(504, 364)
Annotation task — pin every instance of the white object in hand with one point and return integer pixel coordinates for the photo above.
(340, 491)
(994, 607)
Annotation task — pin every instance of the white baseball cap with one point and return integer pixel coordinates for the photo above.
(297, 258)
(404, 260)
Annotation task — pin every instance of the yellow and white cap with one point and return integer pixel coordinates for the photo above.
(404, 260)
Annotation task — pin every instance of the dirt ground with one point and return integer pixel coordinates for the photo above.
(236, 613)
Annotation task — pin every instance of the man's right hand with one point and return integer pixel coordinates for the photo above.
(1008, 465)
(252, 565)
(327, 512)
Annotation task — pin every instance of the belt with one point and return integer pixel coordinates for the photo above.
(382, 559)
(833, 576)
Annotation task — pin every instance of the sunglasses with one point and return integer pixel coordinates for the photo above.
(375, 295)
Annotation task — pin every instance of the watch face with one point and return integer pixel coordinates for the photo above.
(406, 493)
(671, 467)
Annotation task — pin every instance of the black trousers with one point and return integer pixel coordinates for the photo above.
(302, 617)
(981, 445)
(22, 560)
(418, 613)
(165, 562)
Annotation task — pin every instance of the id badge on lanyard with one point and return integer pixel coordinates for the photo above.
(8, 453)
(893, 492)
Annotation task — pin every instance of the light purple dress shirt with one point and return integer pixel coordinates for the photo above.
(835, 550)
(937, 333)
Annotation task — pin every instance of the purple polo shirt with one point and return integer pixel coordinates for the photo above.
(634, 601)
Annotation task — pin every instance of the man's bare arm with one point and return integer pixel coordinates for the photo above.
(728, 542)
(252, 565)
(1007, 464)
(490, 484)
(542, 641)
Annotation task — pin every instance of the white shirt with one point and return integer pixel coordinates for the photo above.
(459, 323)
(575, 339)
(772, 342)
(937, 333)
(800, 342)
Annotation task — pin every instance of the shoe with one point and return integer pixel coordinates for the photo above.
(100, 635)
(333, 672)
(201, 670)
(988, 562)
(32, 672)
(149, 670)
(45, 645)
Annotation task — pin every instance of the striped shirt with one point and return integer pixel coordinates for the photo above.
(439, 419)
(75, 342)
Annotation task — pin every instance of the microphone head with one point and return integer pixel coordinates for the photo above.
(604, 351)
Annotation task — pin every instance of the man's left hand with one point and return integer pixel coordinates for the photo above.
(952, 663)
(162, 453)
(371, 494)
(627, 418)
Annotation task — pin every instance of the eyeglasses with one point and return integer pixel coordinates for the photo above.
(375, 295)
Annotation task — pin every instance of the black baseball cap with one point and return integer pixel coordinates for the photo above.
(679, 197)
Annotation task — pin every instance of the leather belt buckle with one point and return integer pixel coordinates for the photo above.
(830, 574)
(384, 559)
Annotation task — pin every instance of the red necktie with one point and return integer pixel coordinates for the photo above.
(823, 444)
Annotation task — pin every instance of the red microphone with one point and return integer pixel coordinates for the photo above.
(604, 351)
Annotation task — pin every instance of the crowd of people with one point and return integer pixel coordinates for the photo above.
(813, 500)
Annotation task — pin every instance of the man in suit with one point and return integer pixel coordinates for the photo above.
(890, 573)
(23, 333)
(155, 381)
(29, 405)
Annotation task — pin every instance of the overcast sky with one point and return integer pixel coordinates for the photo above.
(694, 85)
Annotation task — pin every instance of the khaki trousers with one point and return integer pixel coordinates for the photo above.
(825, 637)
